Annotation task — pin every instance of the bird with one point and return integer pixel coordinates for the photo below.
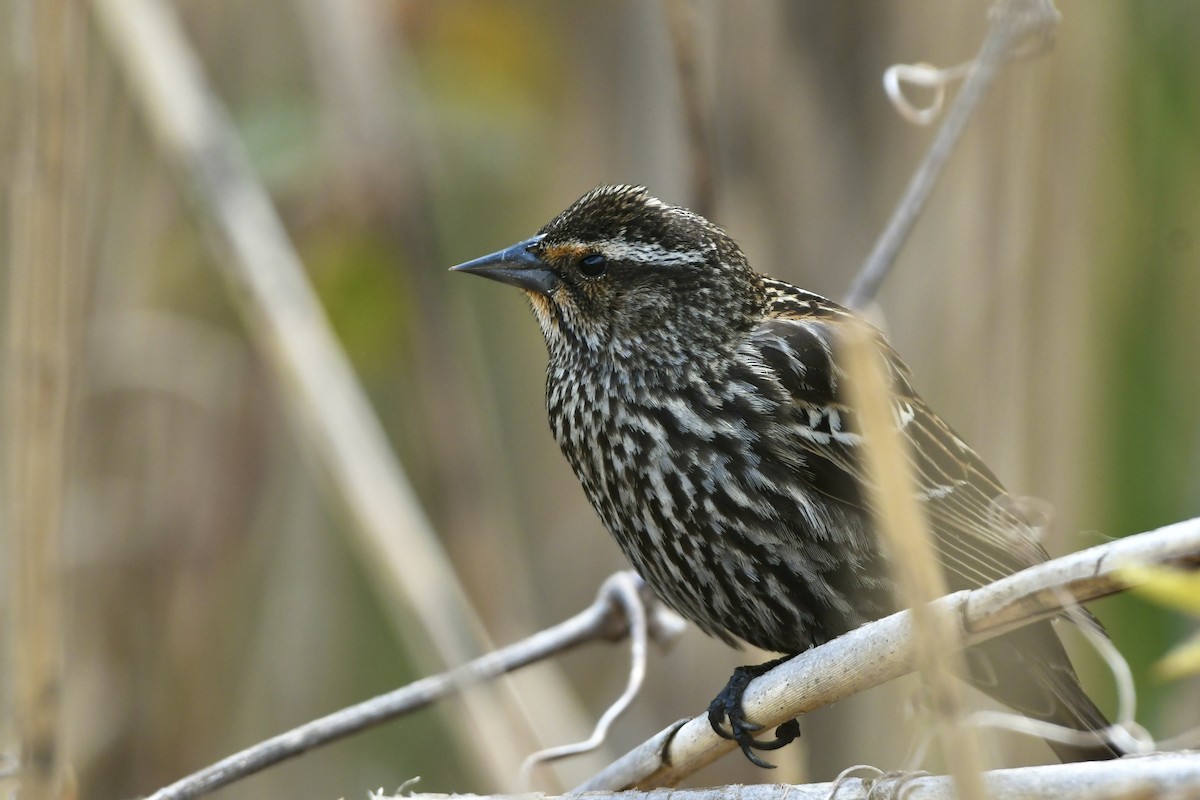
(702, 406)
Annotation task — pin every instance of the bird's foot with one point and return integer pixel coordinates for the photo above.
(727, 707)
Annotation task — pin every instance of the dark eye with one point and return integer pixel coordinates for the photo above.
(593, 265)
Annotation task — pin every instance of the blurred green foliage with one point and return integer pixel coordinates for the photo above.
(1150, 387)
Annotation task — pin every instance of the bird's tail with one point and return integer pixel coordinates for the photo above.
(1029, 671)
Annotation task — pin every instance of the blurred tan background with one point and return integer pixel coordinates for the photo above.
(1047, 303)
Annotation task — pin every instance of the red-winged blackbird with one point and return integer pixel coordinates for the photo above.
(702, 407)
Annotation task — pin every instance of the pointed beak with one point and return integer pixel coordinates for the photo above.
(517, 266)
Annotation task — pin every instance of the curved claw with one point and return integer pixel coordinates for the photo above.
(755, 760)
(727, 707)
(785, 734)
(739, 727)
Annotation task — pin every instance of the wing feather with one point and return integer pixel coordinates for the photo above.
(979, 533)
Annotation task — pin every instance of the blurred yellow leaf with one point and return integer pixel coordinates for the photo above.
(1175, 588)
(1182, 661)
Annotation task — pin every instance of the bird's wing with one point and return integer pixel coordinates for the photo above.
(980, 534)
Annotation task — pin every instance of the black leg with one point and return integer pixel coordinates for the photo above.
(727, 706)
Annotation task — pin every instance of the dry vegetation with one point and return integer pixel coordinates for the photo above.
(219, 571)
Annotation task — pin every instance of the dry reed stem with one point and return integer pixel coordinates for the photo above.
(681, 23)
(904, 531)
(376, 123)
(45, 283)
(327, 404)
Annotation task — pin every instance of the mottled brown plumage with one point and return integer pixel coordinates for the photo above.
(702, 407)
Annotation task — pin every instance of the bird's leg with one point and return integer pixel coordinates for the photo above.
(728, 706)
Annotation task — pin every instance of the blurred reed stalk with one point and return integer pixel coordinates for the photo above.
(292, 332)
(904, 534)
(682, 24)
(45, 284)
(376, 120)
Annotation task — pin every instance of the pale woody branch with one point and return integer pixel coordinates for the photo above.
(882, 650)
(1166, 775)
(862, 658)
(606, 619)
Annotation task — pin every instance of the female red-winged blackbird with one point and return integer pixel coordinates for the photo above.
(701, 406)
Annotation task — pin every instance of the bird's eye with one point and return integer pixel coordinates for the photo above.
(593, 265)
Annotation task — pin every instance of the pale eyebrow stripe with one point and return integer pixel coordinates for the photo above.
(624, 250)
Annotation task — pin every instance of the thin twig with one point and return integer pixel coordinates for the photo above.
(904, 533)
(606, 619)
(626, 589)
(682, 24)
(882, 650)
(1124, 732)
(1013, 25)
(45, 282)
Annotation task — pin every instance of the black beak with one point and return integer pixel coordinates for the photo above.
(516, 266)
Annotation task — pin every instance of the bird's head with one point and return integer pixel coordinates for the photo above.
(625, 278)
